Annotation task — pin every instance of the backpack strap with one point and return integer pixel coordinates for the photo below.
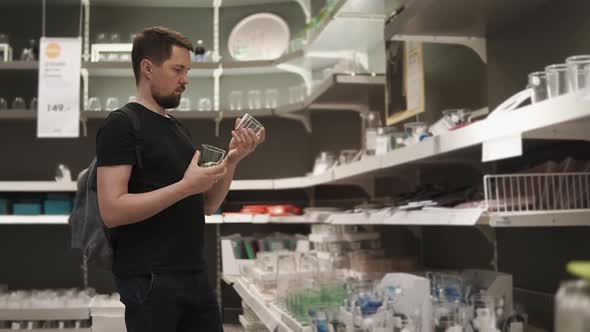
(136, 124)
(182, 130)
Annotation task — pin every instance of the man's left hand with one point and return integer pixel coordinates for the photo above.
(243, 142)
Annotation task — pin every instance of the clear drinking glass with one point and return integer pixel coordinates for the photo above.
(3, 104)
(101, 38)
(249, 122)
(211, 156)
(235, 101)
(114, 38)
(271, 97)
(205, 104)
(112, 104)
(295, 94)
(538, 85)
(33, 104)
(185, 104)
(132, 99)
(254, 100)
(94, 104)
(19, 104)
(579, 72)
(557, 80)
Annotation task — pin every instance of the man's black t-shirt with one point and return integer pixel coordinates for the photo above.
(171, 240)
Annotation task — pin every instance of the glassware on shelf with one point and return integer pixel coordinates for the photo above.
(27, 54)
(572, 307)
(557, 80)
(271, 97)
(94, 104)
(347, 156)
(19, 104)
(114, 38)
(211, 156)
(112, 104)
(235, 100)
(101, 38)
(254, 100)
(323, 162)
(538, 86)
(184, 105)
(113, 57)
(371, 122)
(249, 122)
(132, 99)
(4, 38)
(205, 104)
(296, 94)
(3, 104)
(200, 52)
(579, 72)
(415, 132)
(34, 104)
(132, 36)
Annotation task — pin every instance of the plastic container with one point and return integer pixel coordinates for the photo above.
(57, 206)
(26, 209)
(3, 206)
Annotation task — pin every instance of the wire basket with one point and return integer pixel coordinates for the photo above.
(537, 192)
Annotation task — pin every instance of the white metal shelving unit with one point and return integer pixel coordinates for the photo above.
(34, 220)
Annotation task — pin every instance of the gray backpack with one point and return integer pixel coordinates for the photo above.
(89, 232)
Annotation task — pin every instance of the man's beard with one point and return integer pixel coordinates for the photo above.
(167, 102)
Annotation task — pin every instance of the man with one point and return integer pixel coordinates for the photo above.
(155, 213)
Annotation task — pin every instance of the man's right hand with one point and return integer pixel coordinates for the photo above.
(199, 179)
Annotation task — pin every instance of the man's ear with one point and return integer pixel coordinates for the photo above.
(146, 68)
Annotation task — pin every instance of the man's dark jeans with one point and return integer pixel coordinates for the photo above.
(169, 302)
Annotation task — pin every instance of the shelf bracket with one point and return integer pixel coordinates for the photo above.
(475, 43)
(416, 231)
(306, 7)
(366, 183)
(305, 74)
(217, 121)
(490, 234)
(304, 118)
(84, 74)
(216, 6)
(86, 7)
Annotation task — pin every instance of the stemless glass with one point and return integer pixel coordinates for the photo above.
(211, 156)
(579, 72)
(235, 101)
(557, 80)
(538, 86)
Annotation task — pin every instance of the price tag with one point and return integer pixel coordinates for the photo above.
(58, 112)
(502, 148)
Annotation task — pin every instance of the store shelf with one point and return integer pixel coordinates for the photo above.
(341, 92)
(252, 185)
(27, 314)
(561, 218)
(269, 317)
(182, 3)
(19, 65)
(18, 114)
(343, 237)
(37, 186)
(304, 181)
(468, 18)
(124, 69)
(34, 220)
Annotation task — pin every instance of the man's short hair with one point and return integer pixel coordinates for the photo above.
(155, 44)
